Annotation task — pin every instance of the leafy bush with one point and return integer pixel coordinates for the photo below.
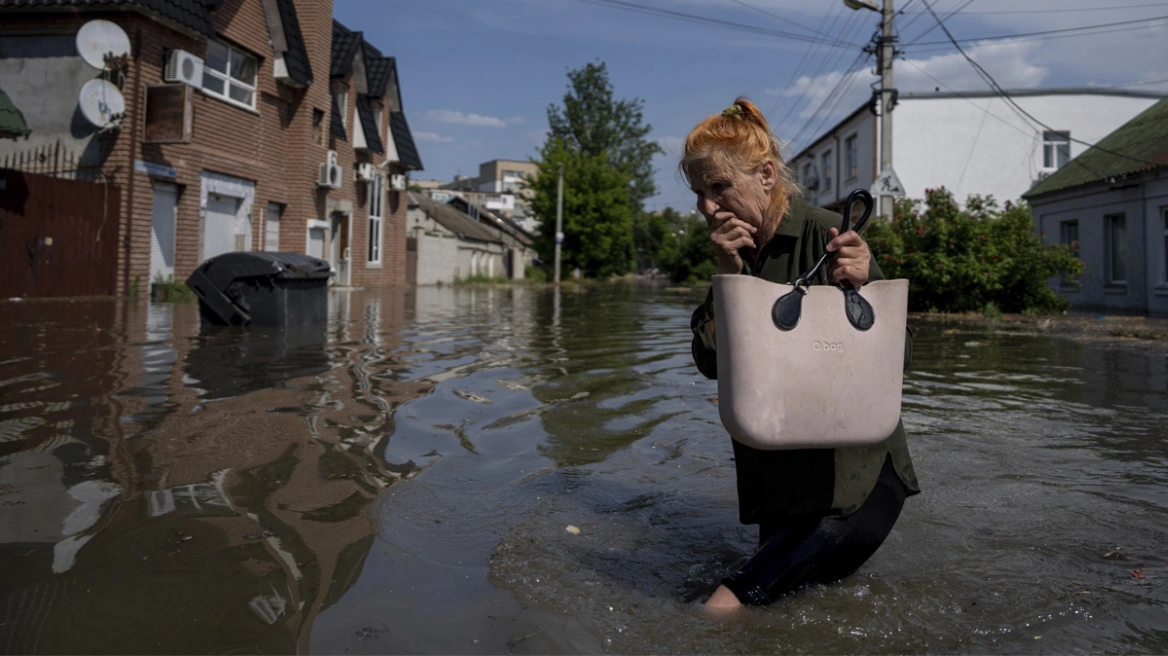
(534, 274)
(686, 254)
(965, 260)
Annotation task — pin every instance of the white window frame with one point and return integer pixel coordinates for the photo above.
(852, 155)
(376, 218)
(226, 78)
(1114, 248)
(1051, 140)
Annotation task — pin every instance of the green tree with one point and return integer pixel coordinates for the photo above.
(965, 260)
(598, 215)
(686, 254)
(593, 122)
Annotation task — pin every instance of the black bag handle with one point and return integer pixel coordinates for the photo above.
(787, 309)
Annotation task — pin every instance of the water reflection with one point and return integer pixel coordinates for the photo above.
(403, 480)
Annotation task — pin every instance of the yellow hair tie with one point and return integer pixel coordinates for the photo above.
(734, 111)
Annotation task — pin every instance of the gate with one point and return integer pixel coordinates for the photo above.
(411, 261)
(58, 237)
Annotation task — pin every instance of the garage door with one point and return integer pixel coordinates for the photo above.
(219, 225)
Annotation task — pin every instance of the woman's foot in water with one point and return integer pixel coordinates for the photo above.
(723, 599)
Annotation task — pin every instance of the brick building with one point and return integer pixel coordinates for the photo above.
(291, 137)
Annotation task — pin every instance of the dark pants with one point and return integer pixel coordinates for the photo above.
(819, 551)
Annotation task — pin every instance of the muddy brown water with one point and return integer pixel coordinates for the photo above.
(404, 481)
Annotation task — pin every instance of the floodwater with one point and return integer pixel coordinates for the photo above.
(404, 481)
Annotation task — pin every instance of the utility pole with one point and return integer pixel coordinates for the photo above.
(885, 53)
(559, 220)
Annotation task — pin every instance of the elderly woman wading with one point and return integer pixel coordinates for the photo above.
(821, 512)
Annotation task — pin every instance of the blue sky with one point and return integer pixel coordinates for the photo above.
(477, 75)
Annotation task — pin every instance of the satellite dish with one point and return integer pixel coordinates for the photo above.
(99, 38)
(101, 102)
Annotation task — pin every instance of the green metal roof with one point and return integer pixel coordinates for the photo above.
(12, 125)
(1144, 138)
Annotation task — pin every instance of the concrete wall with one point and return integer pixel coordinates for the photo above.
(1145, 208)
(437, 258)
(972, 145)
(980, 146)
(43, 76)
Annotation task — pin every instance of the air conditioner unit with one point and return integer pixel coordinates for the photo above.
(397, 182)
(182, 66)
(330, 172)
(366, 172)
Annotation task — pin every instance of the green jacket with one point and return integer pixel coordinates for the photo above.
(781, 485)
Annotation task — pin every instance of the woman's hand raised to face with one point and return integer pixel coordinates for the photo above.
(730, 237)
(852, 258)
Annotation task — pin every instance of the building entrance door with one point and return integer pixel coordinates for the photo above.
(339, 249)
(219, 233)
(162, 235)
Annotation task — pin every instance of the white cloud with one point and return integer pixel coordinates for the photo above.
(1015, 65)
(431, 136)
(459, 118)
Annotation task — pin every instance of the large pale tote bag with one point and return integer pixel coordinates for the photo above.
(805, 366)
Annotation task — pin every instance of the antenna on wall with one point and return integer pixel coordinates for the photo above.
(100, 43)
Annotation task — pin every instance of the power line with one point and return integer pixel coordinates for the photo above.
(1054, 11)
(946, 47)
(1005, 96)
(778, 17)
(827, 64)
(695, 18)
(799, 68)
(811, 55)
(1065, 30)
(933, 27)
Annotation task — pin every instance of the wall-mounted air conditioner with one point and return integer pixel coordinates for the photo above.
(330, 172)
(182, 66)
(397, 182)
(366, 172)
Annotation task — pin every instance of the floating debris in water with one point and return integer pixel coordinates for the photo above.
(472, 396)
(573, 530)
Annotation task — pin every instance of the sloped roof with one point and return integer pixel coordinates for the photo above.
(1144, 141)
(296, 57)
(345, 45)
(369, 126)
(454, 220)
(485, 216)
(192, 14)
(407, 152)
(379, 71)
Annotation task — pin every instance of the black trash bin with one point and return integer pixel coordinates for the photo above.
(262, 289)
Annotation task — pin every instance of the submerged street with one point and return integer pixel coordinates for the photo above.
(532, 470)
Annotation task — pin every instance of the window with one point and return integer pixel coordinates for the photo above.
(851, 157)
(810, 181)
(376, 198)
(1056, 149)
(1116, 248)
(317, 126)
(230, 74)
(377, 119)
(272, 227)
(827, 170)
(341, 92)
(1069, 236)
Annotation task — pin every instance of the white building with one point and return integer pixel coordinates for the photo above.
(969, 142)
(1111, 203)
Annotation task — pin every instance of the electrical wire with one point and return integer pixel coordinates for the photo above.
(1053, 11)
(810, 55)
(1022, 35)
(947, 47)
(778, 17)
(1005, 96)
(933, 27)
(717, 22)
